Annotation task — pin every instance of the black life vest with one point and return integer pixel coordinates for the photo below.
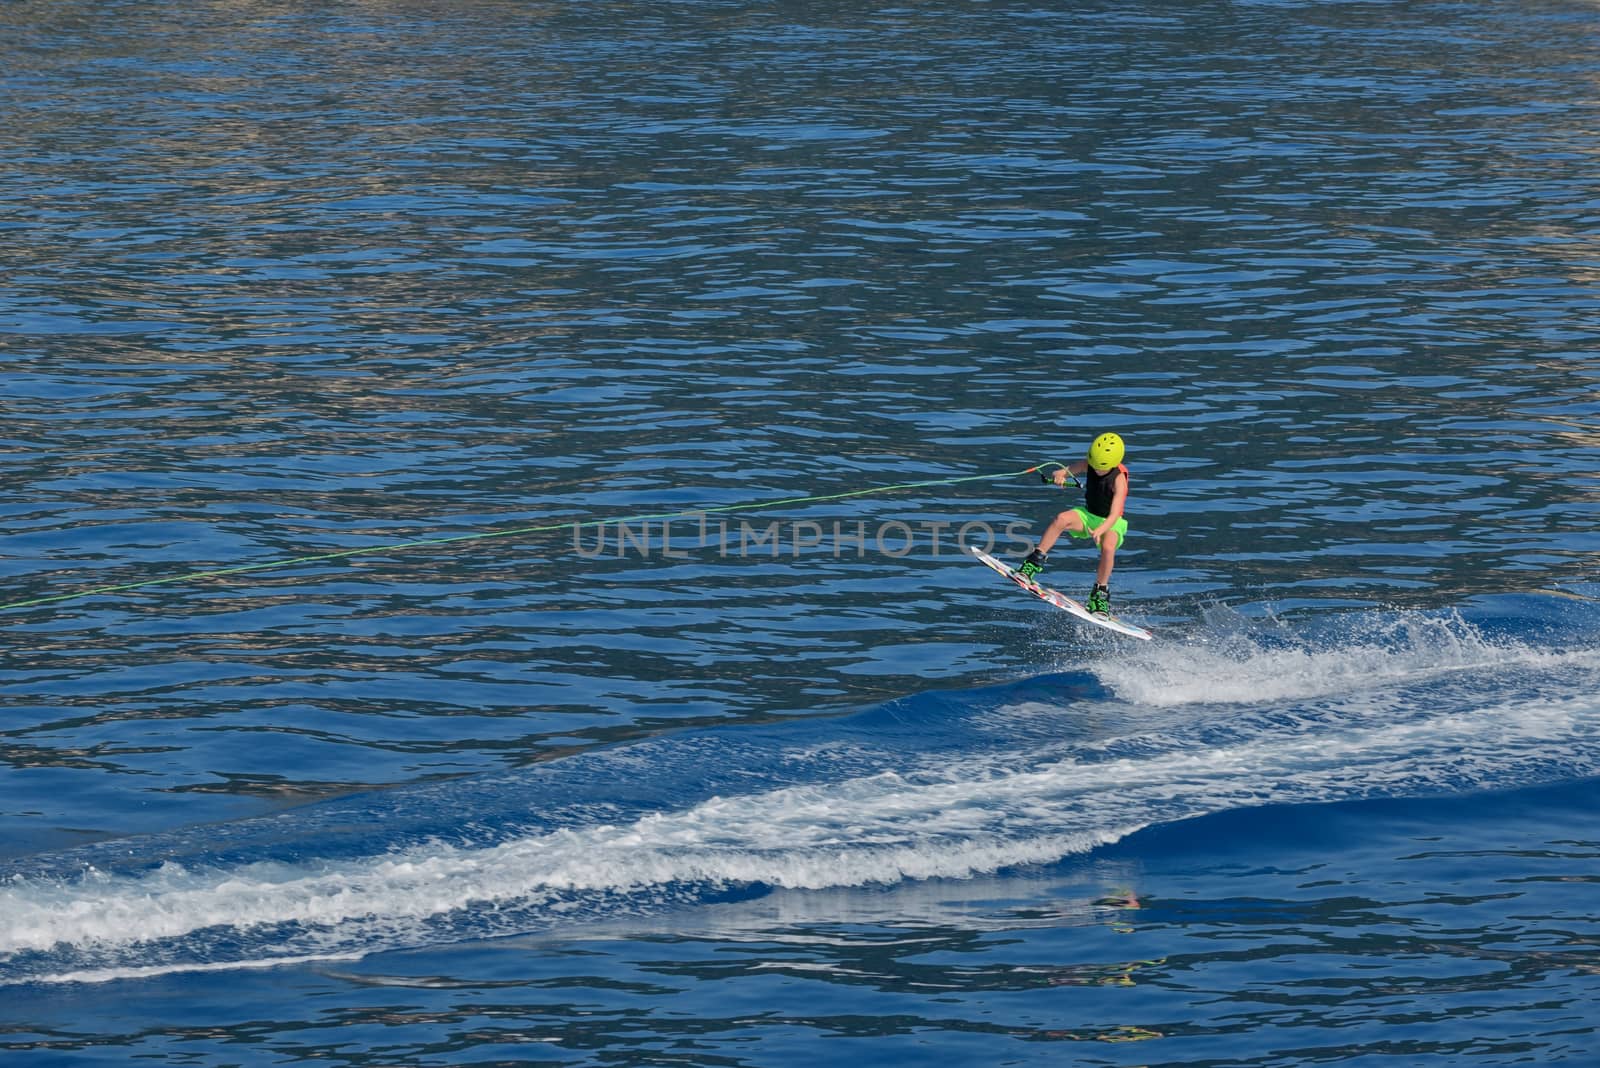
(1100, 490)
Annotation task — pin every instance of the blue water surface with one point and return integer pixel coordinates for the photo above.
(780, 774)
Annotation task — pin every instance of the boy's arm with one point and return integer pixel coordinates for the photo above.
(1073, 469)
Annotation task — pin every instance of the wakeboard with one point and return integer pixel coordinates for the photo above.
(1059, 599)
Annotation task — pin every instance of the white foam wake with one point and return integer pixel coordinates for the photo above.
(1233, 665)
(959, 818)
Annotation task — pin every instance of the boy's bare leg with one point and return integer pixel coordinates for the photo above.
(1108, 558)
(1058, 526)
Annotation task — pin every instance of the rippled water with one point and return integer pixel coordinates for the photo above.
(287, 280)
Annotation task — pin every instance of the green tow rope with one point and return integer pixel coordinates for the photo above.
(571, 524)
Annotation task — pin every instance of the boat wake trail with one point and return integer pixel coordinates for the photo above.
(934, 786)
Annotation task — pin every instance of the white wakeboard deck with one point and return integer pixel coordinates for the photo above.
(1059, 599)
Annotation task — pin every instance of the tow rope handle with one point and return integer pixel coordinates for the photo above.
(1051, 478)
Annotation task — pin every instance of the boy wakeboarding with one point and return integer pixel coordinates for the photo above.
(1105, 491)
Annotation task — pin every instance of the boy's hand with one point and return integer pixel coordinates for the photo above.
(1060, 478)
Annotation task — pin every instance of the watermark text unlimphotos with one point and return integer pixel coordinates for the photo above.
(680, 537)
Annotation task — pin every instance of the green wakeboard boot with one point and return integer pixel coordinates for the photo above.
(1031, 566)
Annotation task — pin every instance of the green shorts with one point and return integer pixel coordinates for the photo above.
(1090, 521)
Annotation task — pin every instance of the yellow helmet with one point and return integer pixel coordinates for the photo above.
(1106, 452)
